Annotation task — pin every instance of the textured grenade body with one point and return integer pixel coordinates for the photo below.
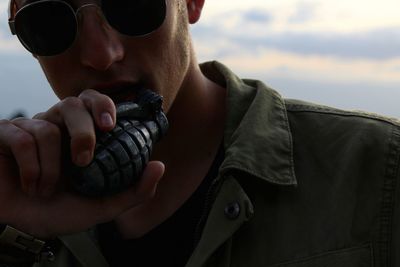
(122, 154)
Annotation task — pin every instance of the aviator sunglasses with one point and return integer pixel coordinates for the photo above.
(50, 27)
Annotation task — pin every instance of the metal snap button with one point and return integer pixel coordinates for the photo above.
(232, 210)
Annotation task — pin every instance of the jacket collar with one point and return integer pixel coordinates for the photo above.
(257, 136)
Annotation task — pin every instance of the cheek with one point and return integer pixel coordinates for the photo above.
(58, 73)
(171, 56)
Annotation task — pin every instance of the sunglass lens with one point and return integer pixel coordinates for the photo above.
(134, 17)
(46, 28)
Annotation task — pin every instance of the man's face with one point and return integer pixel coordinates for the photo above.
(103, 59)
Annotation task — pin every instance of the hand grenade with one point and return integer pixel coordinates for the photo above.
(122, 154)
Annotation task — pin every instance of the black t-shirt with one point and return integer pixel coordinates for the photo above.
(172, 242)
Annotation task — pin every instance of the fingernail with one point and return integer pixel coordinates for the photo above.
(106, 119)
(83, 158)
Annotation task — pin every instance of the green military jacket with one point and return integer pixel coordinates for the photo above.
(300, 185)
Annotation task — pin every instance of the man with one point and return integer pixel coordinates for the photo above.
(243, 177)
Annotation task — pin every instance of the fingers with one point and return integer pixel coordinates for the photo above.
(47, 139)
(110, 207)
(72, 115)
(35, 147)
(22, 146)
(80, 116)
(147, 185)
(64, 213)
(146, 188)
(36, 144)
(101, 107)
(80, 128)
(107, 208)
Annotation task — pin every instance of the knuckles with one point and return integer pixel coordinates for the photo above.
(71, 101)
(23, 141)
(42, 129)
(47, 130)
(4, 123)
(96, 100)
(88, 93)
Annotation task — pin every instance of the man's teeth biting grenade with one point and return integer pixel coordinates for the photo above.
(122, 154)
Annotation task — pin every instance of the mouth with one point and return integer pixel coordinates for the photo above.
(120, 91)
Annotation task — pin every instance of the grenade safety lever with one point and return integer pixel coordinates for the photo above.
(121, 155)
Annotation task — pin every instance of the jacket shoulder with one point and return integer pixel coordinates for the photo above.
(299, 106)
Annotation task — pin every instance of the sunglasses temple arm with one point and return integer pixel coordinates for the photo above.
(11, 13)
(11, 24)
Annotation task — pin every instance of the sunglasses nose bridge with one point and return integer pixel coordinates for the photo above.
(99, 44)
(98, 14)
(79, 10)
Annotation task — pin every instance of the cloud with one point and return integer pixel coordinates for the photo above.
(304, 13)
(282, 64)
(377, 44)
(262, 28)
(251, 20)
(257, 16)
(363, 95)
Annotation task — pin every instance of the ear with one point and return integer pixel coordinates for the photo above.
(194, 8)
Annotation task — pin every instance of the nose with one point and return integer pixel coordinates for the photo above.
(99, 45)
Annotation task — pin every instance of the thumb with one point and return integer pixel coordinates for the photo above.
(147, 185)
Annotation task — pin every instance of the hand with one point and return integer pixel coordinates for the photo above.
(33, 195)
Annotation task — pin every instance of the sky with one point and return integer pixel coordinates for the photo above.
(343, 53)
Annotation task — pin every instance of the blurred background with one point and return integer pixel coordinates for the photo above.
(344, 53)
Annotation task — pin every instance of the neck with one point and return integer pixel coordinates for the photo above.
(196, 128)
(198, 108)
